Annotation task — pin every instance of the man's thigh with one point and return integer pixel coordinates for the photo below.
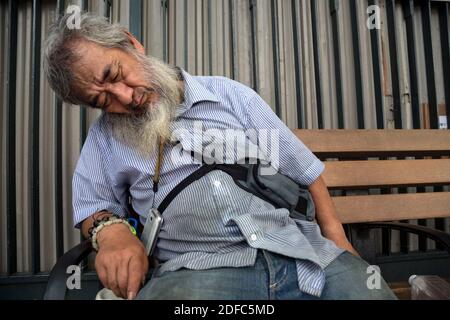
(248, 283)
(347, 278)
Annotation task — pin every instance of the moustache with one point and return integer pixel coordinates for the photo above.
(140, 100)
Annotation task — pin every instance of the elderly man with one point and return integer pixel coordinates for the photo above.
(218, 240)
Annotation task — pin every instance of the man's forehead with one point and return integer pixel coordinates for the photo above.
(94, 72)
(86, 76)
(92, 60)
(92, 68)
(88, 80)
(89, 47)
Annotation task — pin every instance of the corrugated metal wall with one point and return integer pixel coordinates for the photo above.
(314, 61)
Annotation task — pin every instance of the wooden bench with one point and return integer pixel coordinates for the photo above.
(353, 172)
(365, 161)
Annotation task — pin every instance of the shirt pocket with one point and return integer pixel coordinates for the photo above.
(229, 199)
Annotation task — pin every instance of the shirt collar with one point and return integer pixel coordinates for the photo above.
(194, 92)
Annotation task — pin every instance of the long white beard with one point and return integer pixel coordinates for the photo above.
(141, 131)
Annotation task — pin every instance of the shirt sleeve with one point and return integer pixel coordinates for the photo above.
(91, 187)
(285, 151)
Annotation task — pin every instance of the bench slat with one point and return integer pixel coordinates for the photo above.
(365, 143)
(391, 207)
(384, 173)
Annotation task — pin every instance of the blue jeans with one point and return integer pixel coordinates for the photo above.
(272, 277)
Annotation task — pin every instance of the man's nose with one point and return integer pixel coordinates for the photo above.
(122, 92)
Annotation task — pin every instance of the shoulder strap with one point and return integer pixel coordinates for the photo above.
(292, 198)
(235, 170)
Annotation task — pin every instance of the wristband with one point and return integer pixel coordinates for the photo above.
(107, 222)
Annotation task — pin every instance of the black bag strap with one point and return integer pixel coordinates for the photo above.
(243, 175)
(235, 170)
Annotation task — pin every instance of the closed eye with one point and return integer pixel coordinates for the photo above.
(107, 101)
(98, 99)
(117, 76)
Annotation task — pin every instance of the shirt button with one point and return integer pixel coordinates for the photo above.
(217, 183)
(253, 237)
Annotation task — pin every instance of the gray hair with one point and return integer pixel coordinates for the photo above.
(59, 51)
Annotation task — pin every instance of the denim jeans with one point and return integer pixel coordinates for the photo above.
(272, 277)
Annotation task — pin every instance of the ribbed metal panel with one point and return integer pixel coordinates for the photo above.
(314, 61)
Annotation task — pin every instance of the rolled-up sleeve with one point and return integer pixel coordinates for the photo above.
(91, 187)
(285, 150)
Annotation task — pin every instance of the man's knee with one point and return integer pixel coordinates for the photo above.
(350, 277)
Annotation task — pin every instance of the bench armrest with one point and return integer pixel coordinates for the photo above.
(56, 286)
(440, 237)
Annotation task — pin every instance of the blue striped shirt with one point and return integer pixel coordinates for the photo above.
(213, 222)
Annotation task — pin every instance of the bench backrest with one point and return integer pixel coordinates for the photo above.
(365, 162)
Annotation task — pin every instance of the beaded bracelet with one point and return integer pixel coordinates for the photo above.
(107, 222)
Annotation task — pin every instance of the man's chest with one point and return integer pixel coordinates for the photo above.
(194, 141)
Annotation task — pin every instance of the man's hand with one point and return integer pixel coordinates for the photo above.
(337, 235)
(121, 262)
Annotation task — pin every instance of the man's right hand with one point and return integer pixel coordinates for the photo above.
(121, 261)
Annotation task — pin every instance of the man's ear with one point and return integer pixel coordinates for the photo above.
(136, 44)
